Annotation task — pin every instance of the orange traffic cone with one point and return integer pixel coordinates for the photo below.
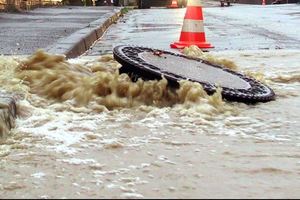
(192, 32)
(174, 4)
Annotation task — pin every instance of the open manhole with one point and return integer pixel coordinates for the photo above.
(152, 64)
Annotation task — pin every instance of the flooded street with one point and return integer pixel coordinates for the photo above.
(84, 131)
(58, 150)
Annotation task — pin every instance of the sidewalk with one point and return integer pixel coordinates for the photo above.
(67, 30)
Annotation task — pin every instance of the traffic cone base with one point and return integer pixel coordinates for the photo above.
(191, 38)
(182, 45)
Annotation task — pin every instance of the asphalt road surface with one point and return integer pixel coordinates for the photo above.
(239, 27)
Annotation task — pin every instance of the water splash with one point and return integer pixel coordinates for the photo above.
(99, 83)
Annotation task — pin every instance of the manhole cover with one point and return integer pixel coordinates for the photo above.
(153, 64)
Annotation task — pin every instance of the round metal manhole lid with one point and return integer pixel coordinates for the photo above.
(194, 70)
(153, 64)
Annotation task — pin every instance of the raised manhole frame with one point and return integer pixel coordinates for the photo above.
(134, 65)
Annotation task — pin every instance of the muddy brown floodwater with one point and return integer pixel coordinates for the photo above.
(84, 131)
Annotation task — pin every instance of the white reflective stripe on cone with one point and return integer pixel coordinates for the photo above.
(194, 3)
(194, 26)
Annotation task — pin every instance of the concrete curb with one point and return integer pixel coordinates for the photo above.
(80, 41)
(8, 114)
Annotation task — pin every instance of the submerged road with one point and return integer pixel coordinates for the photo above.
(239, 27)
(123, 144)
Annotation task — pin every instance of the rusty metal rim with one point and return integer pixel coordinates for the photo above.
(137, 67)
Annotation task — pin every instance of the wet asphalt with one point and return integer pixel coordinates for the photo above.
(156, 28)
(224, 28)
(24, 33)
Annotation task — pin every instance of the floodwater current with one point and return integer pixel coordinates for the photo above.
(83, 130)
